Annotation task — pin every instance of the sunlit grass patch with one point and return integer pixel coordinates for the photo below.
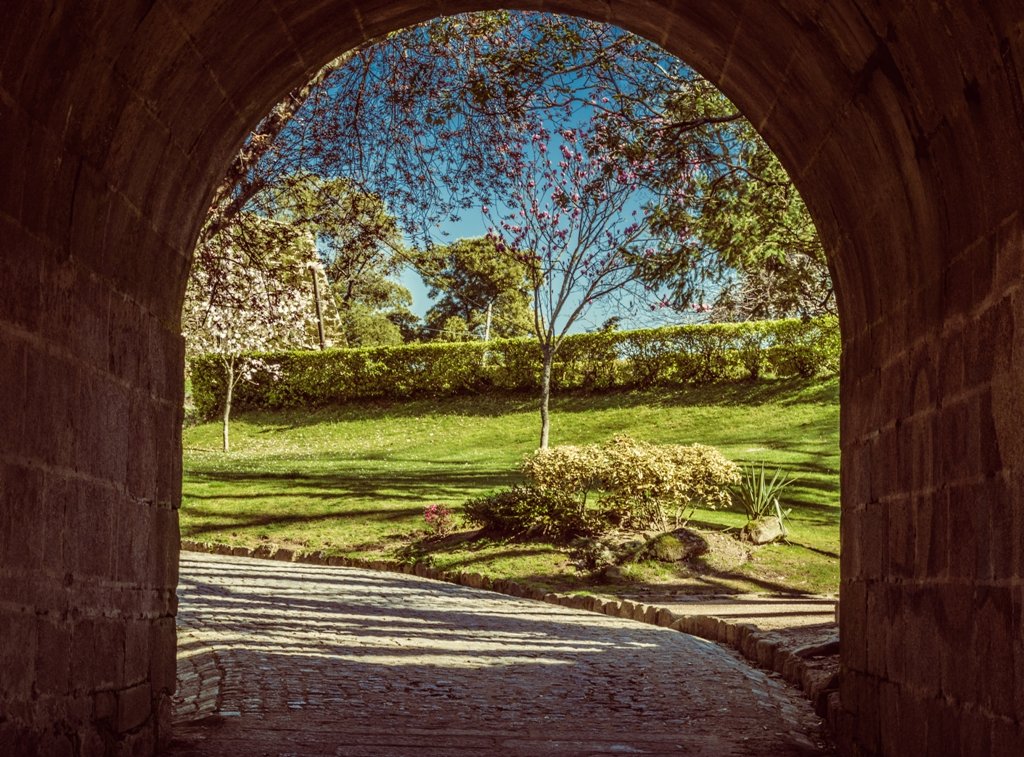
(354, 480)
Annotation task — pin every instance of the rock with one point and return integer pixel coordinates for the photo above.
(590, 554)
(764, 530)
(676, 546)
(667, 548)
(613, 573)
(822, 649)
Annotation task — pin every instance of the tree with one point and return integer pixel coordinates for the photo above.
(360, 247)
(748, 248)
(487, 290)
(576, 217)
(233, 307)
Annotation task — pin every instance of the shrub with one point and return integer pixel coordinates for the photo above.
(530, 511)
(758, 495)
(641, 484)
(565, 468)
(670, 356)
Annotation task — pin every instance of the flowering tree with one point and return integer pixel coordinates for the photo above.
(578, 219)
(234, 307)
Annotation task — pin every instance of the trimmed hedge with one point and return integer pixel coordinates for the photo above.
(669, 356)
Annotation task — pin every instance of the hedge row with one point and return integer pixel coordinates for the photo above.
(670, 356)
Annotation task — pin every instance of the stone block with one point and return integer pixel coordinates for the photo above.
(993, 642)
(104, 705)
(52, 655)
(136, 651)
(17, 659)
(134, 707)
(162, 654)
(859, 694)
(664, 617)
(748, 646)
(793, 669)
(12, 379)
(1007, 738)
(764, 653)
(853, 629)
(21, 500)
(97, 654)
(732, 634)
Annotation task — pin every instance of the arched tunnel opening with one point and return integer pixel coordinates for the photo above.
(901, 126)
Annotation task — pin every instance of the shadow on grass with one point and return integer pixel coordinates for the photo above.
(717, 579)
(824, 552)
(386, 486)
(234, 520)
(789, 391)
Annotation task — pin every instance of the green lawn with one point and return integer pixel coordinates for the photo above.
(354, 480)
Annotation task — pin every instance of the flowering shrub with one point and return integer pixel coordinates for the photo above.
(440, 519)
(641, 484)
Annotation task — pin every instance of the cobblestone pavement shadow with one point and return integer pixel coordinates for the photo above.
(288, 659)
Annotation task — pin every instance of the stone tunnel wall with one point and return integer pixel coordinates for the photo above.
(903, 125)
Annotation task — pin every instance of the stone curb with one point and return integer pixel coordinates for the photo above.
(756, 646)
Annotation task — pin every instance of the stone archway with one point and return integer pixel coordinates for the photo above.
(903, 126)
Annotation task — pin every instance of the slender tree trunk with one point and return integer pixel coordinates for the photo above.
(227, 400)
(545, 397)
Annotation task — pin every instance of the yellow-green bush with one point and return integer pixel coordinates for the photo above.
(670, 356)
(640, 484)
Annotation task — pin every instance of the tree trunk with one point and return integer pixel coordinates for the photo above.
(545, 396)
(227, 401)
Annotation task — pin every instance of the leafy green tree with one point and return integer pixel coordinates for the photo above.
(453, 329)
(360, 249)
(473, 281)
(374, 314)
(747, 246)
(361, 326)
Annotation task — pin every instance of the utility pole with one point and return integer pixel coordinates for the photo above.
(487, 333)
(316, 299)
(314, 266)
(487, 326)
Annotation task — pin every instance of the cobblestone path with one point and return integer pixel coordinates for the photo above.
(288, 659)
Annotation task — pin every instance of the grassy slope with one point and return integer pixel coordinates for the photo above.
(354, 480)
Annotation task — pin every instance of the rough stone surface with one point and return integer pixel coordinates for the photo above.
(320, 660)
(764, 530)
(901, 124)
